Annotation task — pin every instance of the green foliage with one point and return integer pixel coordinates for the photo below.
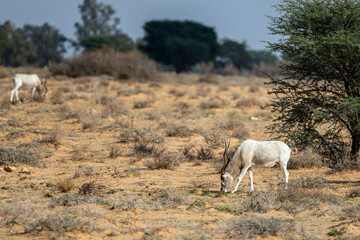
(49, 42)
(263, 56)
(318, 97)
(236, 53)
(180, 44)
(30, 45)
(97, 19)
(120, 42)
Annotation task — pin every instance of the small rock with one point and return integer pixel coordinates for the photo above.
(24, 170)
(254, 119)
(9, 168)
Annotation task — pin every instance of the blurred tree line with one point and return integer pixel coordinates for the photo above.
(179, 45)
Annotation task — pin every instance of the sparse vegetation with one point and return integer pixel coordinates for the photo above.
(164, 158)
(250, 227)
(19, 155)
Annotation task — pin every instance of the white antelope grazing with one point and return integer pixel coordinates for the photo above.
(29, 81)
(253, 153)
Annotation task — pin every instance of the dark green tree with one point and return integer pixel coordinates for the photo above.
(263, 56)
(19, 50)
(317, 99)
(180, 44)
(48, 41)
(97, 19)
(236, 53)
(119, 42)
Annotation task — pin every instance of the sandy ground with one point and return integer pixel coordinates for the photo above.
(81, 119)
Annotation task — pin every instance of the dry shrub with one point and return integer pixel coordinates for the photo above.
(202, 184)
(162, 158)
(65, 185)
(52, 137)
(132, 91)
(68, 200)
(19, 155)
(106, 61)
(254, 226)
(206, 70)
(129, 172)
(228, 70)
(87, 121)
(182, 107)
(177, 93)
(177, 130)
(14, 122)
(213, 138)
(188, 152)
(248, 102)
(351, 212)
(141, 149)
(167, 199)
(125, 136)
(305, 159)
(84, 170)
(62, 223)
(148, 135)
(205, 153)
(115, 108)
(142, 104)
(78, 153)
(57, 97)
(6, 72)
(293, 200)
(5, 103)
(307, 182)
(91, 188)
(353, 193)
(65, 112)
(210, 104)
(115, 151)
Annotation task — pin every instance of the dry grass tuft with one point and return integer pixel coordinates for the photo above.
(177, 130)
(91, 188)
(115, 151)
(78, 153)
(142, 104)
(353, 193)
(57, 97)
(162, 158)
(210, 104)
(248, 102)
(65, 185)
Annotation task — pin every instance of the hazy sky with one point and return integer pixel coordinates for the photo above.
(241, 20)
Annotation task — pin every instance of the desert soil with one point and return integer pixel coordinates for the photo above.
(82, 120)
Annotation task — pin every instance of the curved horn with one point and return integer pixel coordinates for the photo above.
(225, 156)
(46, 89)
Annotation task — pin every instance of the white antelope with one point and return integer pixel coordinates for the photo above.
(253, 153)
(30, 81)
